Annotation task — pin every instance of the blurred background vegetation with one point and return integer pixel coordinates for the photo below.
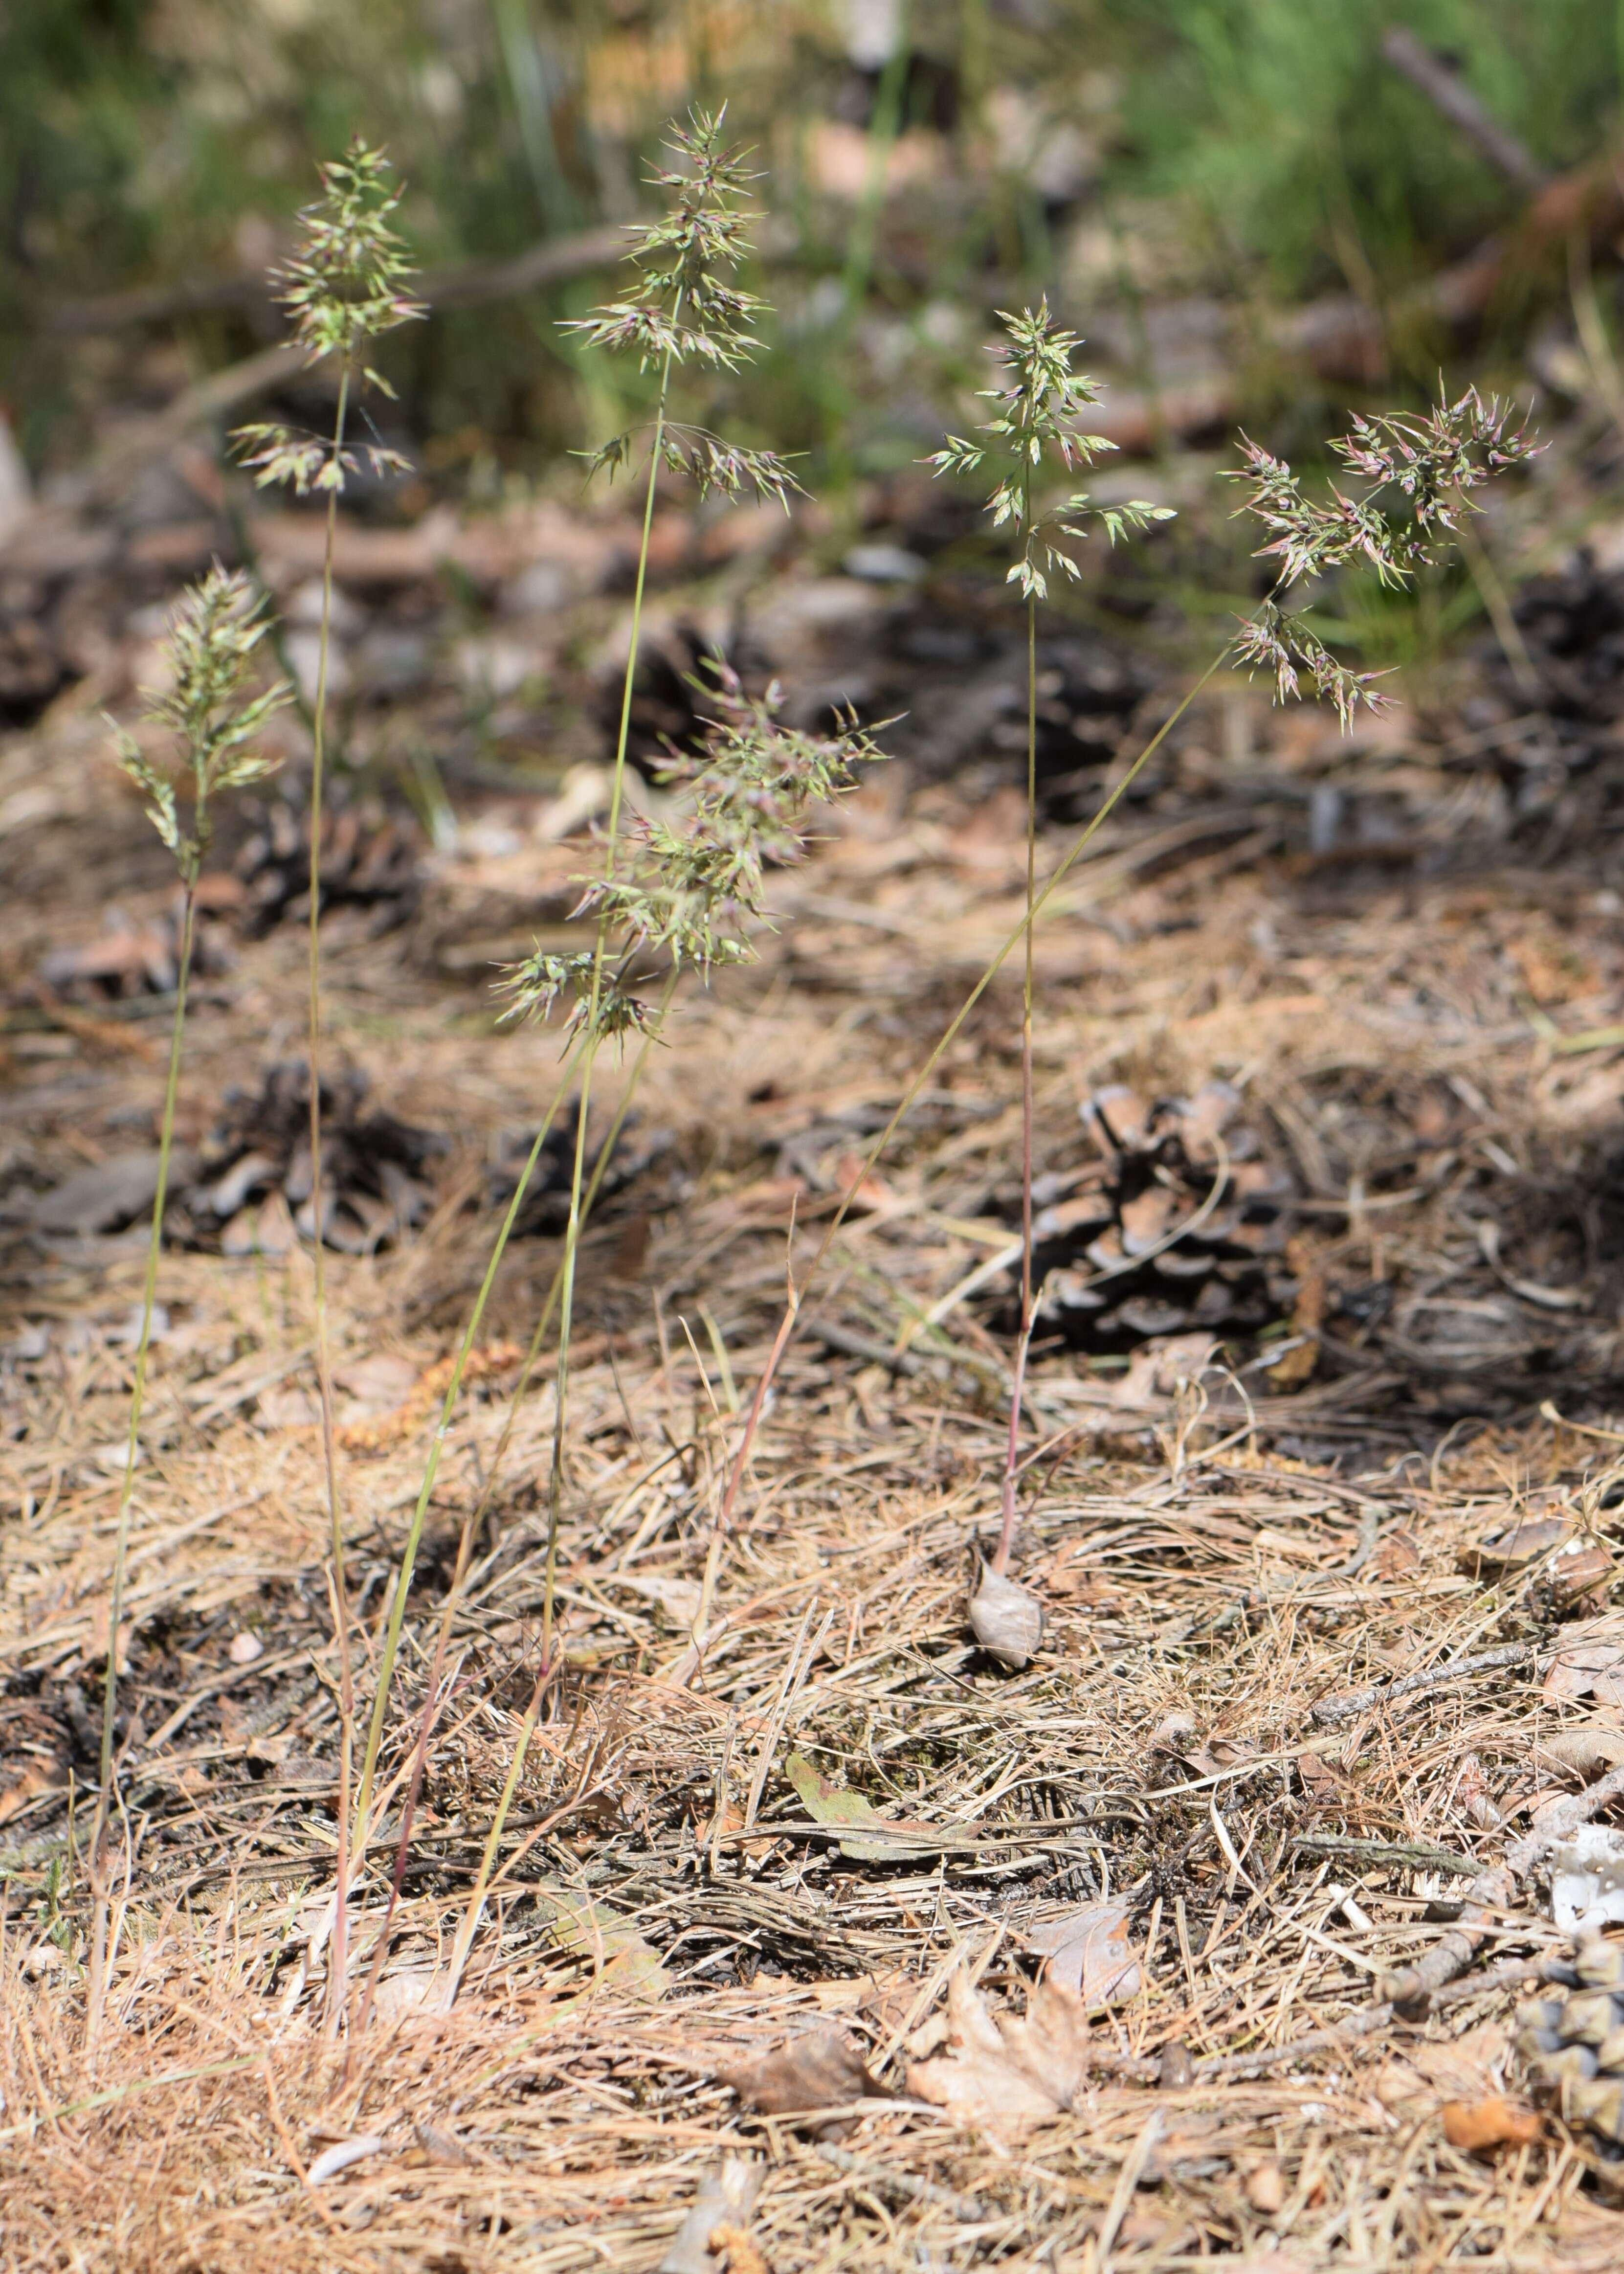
(923, 160)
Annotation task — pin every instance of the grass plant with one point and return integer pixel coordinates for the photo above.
(1040, 400)
(1420, 472)
(692, 885)
(207, 708)
(344, 286)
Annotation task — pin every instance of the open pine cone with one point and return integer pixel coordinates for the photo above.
(1179, 1226)
(1574, 2046)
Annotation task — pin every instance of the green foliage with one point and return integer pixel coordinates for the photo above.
(212, 647)
(1427, 465)
(1301, 144)
(1041, 400)
(695, 889)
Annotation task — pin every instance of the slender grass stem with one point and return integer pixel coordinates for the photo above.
(338, 1965)
(414, 1532)
(470, 1926)
(432, 1702)
(606, 1153)
(1012, 1465)
(126, 1487)
(572, 1232)
(781, 1341)
(149, 1294)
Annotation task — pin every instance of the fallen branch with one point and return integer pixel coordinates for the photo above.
(1399, 1855)
(1447, 91)
(1355, 1702)
(902, 2187)
(1414, 1986)
(556, 260)
(1562, 1820)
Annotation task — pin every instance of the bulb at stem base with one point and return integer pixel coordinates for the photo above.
(1006, 1619)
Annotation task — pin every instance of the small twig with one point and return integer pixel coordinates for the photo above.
(1402, 1855)
(1351, 1703)
(1447, 91)
(903, 2186)
(1417, 1985)
(1562, 1820)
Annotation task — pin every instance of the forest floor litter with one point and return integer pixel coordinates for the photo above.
(817, 1938)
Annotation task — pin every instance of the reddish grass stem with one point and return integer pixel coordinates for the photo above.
(1011, 1465)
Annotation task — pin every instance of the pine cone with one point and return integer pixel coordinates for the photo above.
(1574, 2046)
(1181, 1226)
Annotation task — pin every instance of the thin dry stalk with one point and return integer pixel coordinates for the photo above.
(324, 1356)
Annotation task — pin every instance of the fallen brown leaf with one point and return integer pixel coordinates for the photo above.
(1590, 1663)
(1266, 2187)
(1581, 1574)
(1399, 1555)
(1588, 1753)
(819, 2070)
(1514, 1546)
(1006, 1619)
(1010, 2073)
(1089, 1954)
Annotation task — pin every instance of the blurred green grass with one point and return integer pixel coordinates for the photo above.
(1244, 148)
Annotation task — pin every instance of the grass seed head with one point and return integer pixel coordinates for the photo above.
(346, 284)
(212, 645)
(687, 309)
(695, 889)
(1429, 464)
(1041, 400)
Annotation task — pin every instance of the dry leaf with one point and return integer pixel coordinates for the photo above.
(869, 1192)
(1588, 1753)
(1089, 1954)
(1324, 1785)
(1464, 2068)
(1583, 1568)
(1400, 2089)
(24, 1788)
(1266, 2188)
(286, 1408)
(830, 1804)
(1007, 2074)
(819, 2070)
(1513, 1546)
(1006, 1619)
(1590, 1663)
(619, 1956)
(377, 1383)
(1477, 2126)
(1399, 1555)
